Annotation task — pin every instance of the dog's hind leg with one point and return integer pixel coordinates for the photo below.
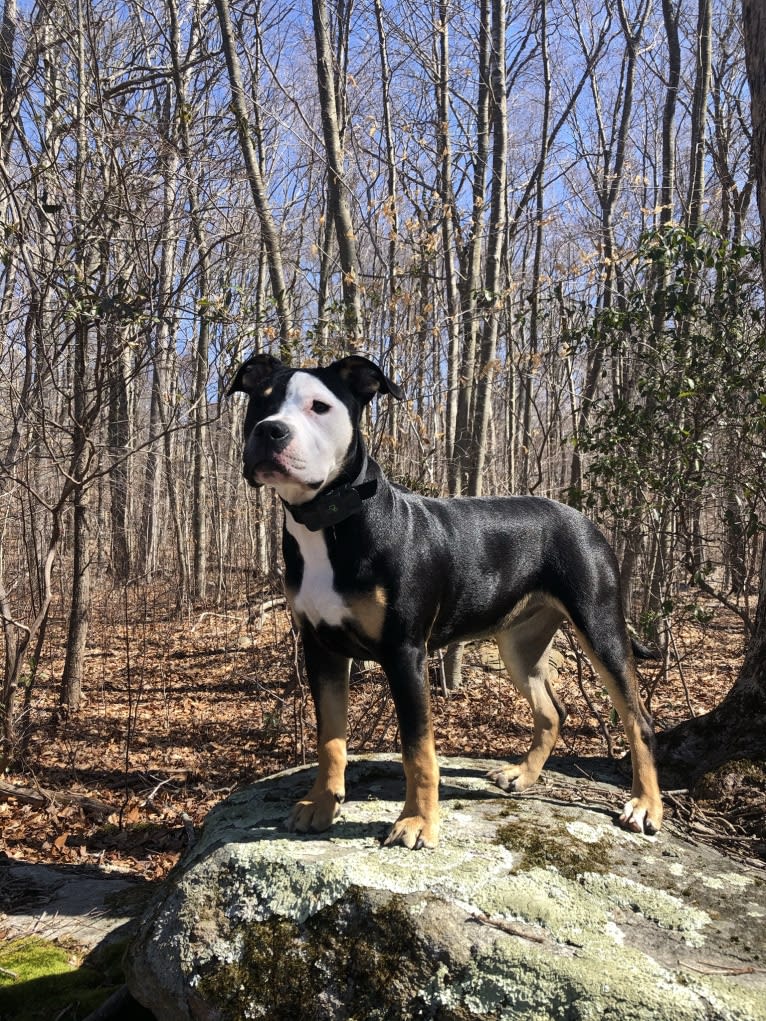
(328, 675)
(608, 647)
(525, 647)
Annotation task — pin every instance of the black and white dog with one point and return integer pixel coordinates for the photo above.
(375, 572)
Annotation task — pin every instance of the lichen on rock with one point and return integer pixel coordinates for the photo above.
(531, 906)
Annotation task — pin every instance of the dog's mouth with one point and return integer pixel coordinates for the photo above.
(264, 470)
(270, 472)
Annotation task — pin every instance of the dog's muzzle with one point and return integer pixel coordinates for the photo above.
(266, 440)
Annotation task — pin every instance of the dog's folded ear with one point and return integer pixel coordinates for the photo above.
(365, 379)
(252, 372)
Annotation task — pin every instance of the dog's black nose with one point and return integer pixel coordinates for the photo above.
(272, 433)
(266, 440)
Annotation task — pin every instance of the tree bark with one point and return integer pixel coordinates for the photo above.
(118, 435)
(737, 727)
(80, 607)
(527, 375)
(336, 185)
(392, 216)
(449, 246)
(670, 14)
(257, 185)
(704, 59)
(497, 231)
(199, 412)
(471, 268)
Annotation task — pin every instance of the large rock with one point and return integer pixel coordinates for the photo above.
(531, 907)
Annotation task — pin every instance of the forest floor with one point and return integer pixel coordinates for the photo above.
(177, 712)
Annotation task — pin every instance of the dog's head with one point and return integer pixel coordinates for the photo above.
(301, 424)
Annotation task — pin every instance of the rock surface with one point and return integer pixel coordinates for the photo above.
(532, 907)
(77, 905)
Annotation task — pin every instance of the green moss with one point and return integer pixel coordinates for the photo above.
(41, 980)
(357, 960)
(30, 958)
(553, 847)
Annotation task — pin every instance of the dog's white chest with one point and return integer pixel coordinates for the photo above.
(316, 598)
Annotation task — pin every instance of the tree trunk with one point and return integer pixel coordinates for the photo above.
(670, 14)
(17, 639)
(118, 434)
(704, 59)
(336, 184)
(79, 611)
(199, 412)
(737, 727)
(392, 186)
(755, 57)
(80, 607)
(497, 229)
(449, 246)
(471, 269)
(528, 372)
(257, 185)
(392, 216)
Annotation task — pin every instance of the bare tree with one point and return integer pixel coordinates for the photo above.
(269, 230)
(492, 301)
(737, 727)
(337, 193)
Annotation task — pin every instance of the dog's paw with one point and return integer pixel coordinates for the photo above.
(512, 778)
(642, 815)
(314, 813)
(413, 831)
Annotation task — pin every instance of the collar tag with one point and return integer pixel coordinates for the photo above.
(331, 508)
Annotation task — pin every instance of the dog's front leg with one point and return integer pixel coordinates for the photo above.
(418, 823)
(328, 675)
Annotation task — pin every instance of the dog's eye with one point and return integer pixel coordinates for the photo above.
(320, 407)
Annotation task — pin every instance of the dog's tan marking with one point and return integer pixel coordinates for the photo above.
(369, 612)
(643, 813)
(524, 644)
(333, 715)
(322, 803)
(525, 647)
(418, 823)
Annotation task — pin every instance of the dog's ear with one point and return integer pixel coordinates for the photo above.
(365, 379)
(252, 372)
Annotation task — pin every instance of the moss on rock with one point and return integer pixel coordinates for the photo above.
(528, 908)
(554, 847)
(361, 958)
(40, 980)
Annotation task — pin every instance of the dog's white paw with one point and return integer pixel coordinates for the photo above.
(413, 831)
(314, 813)
(512, 778)
(642, 815)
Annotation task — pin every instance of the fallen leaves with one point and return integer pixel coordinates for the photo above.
(178, 713)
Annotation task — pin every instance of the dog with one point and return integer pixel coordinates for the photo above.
(376, 572)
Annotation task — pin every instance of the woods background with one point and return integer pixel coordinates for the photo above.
(538, 216)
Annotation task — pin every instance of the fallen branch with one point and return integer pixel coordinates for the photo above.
(39, 796)
(711, 968)
(511, 930)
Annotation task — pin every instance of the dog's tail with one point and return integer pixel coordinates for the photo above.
(643, 651)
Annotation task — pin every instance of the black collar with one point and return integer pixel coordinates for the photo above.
(336, 504)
